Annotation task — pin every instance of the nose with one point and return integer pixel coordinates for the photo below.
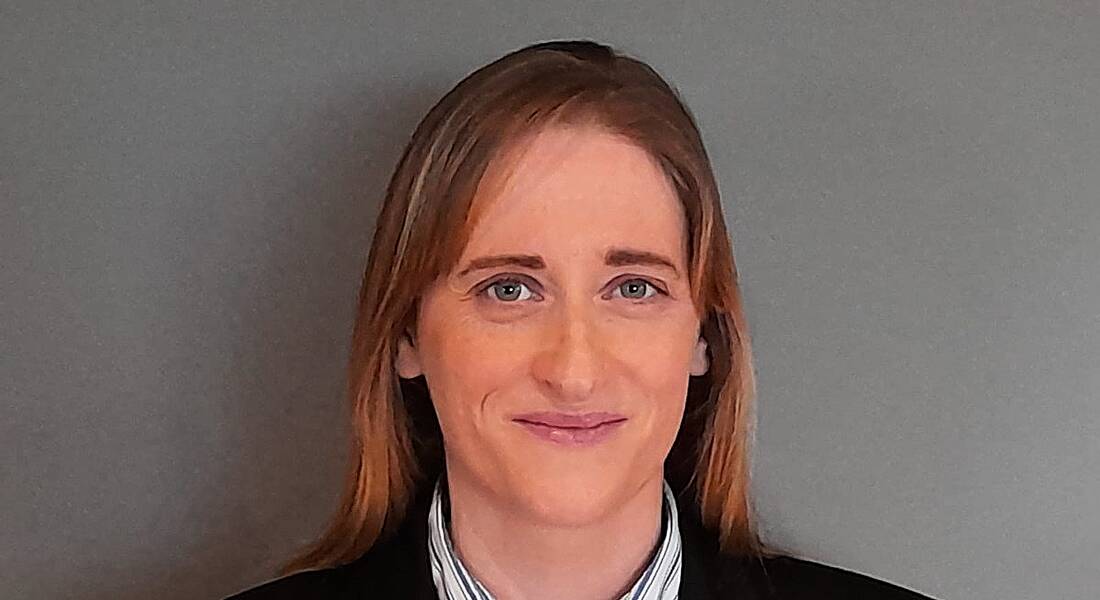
(571, 361)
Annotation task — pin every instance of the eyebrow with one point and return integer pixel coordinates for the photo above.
(615, 257)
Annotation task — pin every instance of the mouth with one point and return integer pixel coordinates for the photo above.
(568, 420)
(591, 431)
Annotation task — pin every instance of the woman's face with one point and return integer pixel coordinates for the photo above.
(578, 325)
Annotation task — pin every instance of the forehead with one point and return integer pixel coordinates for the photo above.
(576, 190)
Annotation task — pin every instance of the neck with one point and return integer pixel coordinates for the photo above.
(515, 555)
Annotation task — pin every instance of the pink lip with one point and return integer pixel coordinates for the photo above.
(571, 430)
(571, 421)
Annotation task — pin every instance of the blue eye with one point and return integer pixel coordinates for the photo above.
(511, 287)
(510, 290)
(638, 284)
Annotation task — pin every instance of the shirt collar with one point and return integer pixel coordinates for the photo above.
(659, 581)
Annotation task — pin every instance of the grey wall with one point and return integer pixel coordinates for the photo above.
(188, 191)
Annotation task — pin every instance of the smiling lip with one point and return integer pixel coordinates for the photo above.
(600, 427)
(569, 421)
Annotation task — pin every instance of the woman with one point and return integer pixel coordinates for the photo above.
(551, 376)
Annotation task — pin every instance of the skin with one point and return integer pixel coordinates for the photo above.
(532, 519)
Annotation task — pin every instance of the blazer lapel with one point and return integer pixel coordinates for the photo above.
(705, 573)
(398, 567)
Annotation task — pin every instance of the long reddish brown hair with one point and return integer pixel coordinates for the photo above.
(423, 226)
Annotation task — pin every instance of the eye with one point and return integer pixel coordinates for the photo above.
(511, 290)
(507, 289)
(634, 286)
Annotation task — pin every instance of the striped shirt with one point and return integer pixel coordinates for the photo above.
(659, 581)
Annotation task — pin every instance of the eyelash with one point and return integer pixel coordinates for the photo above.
(523, 280)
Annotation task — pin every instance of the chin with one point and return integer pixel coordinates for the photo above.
(571, 499)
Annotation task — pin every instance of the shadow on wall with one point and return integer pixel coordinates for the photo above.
(288, 242)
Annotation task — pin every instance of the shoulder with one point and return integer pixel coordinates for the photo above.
(795, 578)
(305, 584)
(393, 567)
(396, 565)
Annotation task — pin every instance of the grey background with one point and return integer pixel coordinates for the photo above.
(188, 191)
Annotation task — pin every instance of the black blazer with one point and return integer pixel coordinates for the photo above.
(398, 567)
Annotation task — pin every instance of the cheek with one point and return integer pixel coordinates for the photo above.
(671, 398)
(463, 367)
(662, 367)
(660, 352)
(473, 358)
